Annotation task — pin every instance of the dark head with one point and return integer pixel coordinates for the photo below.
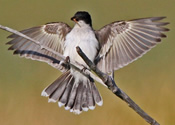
(82, 15)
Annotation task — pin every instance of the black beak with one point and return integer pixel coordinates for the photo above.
(73, 18)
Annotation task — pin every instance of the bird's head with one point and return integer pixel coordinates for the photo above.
(82, 16)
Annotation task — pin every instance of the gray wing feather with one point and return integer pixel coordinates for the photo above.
(51, 35)
(123, 42)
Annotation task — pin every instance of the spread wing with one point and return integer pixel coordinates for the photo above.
(51, 35)
(123, 42)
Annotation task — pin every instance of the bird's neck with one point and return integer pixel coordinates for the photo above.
(82, 26)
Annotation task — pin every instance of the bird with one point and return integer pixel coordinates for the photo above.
(110, 48)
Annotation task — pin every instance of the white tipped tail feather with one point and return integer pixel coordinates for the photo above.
(43, 93)
(76, 95)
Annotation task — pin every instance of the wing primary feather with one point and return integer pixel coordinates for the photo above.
(152, 28)
(126, 48)
(140, 41)
(134, 43)
(146, 36)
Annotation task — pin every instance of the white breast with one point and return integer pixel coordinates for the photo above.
(83, 37)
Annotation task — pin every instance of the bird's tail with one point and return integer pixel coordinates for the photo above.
(76, 94)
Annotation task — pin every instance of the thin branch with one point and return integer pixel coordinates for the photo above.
(34, 41)
(108, 80)
(74, 64)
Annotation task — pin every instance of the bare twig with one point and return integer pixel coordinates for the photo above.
(34, 41)
(108, 80)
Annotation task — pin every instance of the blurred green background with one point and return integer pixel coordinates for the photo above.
(149, 81)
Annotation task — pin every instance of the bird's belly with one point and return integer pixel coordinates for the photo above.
(88, 46)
